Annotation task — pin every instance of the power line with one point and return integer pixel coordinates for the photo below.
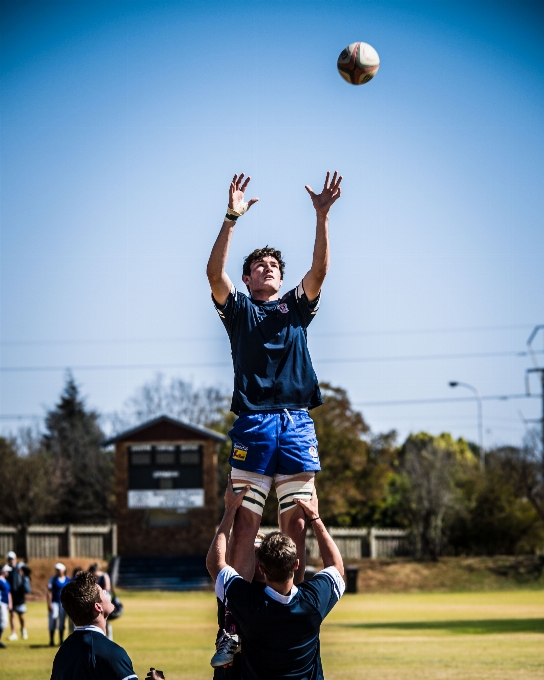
(220, 364)
(406, 402)
(20, 416)
(124, 341)
(109, 367)
(425, 357)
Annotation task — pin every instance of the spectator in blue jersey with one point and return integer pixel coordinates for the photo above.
(279, 625)
(56, 613)
(275, 384)
(5, 600)
(87, 654)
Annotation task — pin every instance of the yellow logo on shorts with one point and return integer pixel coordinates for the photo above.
(239, 453)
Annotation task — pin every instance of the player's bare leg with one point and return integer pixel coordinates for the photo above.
(293, 521)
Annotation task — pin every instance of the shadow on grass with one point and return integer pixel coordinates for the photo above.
(471, 627)
(42, 647)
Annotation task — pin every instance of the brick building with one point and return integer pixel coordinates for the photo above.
(165, 488)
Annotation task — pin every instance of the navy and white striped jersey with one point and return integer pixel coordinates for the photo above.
(272, 364)
(280, 633)
(87, 654)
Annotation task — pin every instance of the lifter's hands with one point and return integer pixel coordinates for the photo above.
(155, 675)
(331, 193)
(311, 507)
(236, 192)
(233, 499)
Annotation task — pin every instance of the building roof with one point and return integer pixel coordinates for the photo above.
(182, 424)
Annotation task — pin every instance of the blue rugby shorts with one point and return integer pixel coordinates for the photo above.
(274, 442)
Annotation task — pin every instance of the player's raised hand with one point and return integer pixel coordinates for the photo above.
(331, 193)
(236, 193)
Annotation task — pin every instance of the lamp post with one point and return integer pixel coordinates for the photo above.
(454, 383)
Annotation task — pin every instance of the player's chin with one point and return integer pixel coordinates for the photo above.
(269, 287)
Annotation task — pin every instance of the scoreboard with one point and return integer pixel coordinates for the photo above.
(165, 476)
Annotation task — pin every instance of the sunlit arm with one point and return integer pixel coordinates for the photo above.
(216, 558)
(219, 281)
(320, 263)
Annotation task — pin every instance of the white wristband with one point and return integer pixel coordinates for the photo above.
(238, 210)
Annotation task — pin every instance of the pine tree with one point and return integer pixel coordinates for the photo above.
(83, 473)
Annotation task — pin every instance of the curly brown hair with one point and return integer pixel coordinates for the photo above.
(78, 598)
(258, 254)
(277, 556)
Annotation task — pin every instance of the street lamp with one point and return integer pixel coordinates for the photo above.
(454, 383)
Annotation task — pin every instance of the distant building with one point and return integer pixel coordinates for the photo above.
(165, 488)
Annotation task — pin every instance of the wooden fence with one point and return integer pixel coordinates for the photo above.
(76, 540)
(65, 540)
(357, 543)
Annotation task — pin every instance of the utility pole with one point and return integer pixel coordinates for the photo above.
(536, 369)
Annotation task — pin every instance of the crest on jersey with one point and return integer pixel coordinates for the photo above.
(283, 308)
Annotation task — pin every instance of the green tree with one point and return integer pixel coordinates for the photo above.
(82, 471)
(25, 485)
(434, 470)
(499, 518)
(530, 471)
(356, 467)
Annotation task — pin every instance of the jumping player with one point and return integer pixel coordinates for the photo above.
(274, 384)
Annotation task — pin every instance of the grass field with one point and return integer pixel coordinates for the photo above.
(461, 636)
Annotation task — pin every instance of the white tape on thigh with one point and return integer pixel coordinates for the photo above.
(289, 490)
(255, 498)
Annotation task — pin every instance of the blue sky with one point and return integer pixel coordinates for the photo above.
(123, 122)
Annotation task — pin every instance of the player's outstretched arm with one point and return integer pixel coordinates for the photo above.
(217, 276)
(327, 547)
(217, 554)
(320, 264)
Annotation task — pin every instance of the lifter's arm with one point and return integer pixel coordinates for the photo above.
(217, 276)
(327, 547)
(217, 554)
(320, 264)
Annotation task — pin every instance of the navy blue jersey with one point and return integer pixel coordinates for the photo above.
(17, 584)
(55, 585)
(87, 654)
(280, 633)
(272, 365)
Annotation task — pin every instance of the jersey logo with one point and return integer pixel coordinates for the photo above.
(283, 308)
(239, 452)
(312, 451)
